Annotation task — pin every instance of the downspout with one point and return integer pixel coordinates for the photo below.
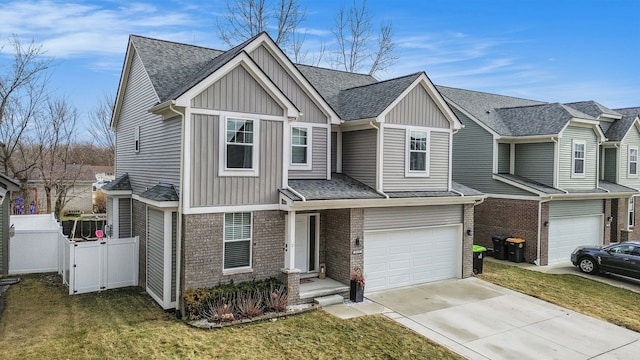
(458, 192)
(179, 225)
(538, 252)
(555, 171)
(378, 190)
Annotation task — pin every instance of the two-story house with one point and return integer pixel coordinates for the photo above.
(237, 165)
(539, 164)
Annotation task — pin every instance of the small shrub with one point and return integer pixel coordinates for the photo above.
(277, 299)
(249, 304)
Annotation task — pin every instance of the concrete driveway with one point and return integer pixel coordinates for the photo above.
(480, 320)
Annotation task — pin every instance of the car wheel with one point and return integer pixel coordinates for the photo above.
(588, 265)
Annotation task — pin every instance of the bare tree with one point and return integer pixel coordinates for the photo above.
(100, 126)
(247, 18)
(355, 46)
(56, 134)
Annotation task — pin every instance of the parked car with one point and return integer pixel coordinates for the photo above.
(622, 258)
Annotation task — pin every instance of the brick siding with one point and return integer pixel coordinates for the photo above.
(467, 242)
(203, 249)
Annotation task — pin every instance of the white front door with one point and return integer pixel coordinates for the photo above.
(306, 247)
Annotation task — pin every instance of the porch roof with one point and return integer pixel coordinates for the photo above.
(604, 188)
(344, 187)
(121, 183)
(161, 192)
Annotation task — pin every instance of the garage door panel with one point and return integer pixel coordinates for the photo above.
(404, 257)
(565, 234)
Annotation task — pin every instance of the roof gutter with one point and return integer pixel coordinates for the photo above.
(180, 204)
(378, 189)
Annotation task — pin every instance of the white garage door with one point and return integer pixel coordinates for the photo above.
(565, 234)
(394, 258)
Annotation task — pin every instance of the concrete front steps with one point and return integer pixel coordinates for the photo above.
(328, 300)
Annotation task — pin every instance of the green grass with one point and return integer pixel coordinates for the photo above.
(615, 305)
(41, 321)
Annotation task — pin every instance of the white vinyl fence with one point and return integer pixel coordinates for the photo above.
(99, 265)
(34, 247)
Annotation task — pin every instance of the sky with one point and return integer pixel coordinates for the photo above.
(555, 51)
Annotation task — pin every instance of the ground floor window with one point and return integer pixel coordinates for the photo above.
(237, 240)
(632, 211)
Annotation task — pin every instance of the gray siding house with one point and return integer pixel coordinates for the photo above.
(541, 166)
(237, 165)
(7, 185)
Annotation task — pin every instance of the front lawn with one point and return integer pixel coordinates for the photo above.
(615, 305)
(41, 321)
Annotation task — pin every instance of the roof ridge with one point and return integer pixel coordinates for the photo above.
(175, 42)
(335, 70)
(488, 93)
(626, 108)
(383, 81)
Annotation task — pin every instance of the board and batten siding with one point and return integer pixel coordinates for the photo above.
(610, 159)
(417, 109)
(155, 251)
(359, 150)
(237, 91)
(311, 112)
(535, 161)
(395, 147)
(569, 208)
(318, 157)
(124, 217)
(174, 245)
(473, 159)
(209, 189)
(565, 179)
(159, 157)
(411, 217)
(504, 158)
(632, 139)
(334, 151)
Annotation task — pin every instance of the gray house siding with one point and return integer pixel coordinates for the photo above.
(359, 155)
(417, 109)
(610, 165)
(237, 91)
(318, 157)
(565, 179)
(414, 216)
(535, 162)
(504, 158)
(575, 208)
(209, 189)
(155, 251)
(124, 217)
(174, 240)
(632, 139)
(288, 86)
(334, 151)
(473, 159)
(394, 163)
(159, 157)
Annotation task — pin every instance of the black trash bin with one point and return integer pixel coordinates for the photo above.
(516, 249)
(478, 256)
(500, 250)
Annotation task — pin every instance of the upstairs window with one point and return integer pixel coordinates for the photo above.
(240, 154)
(417, 154)
(300, 148)
(633, 161)
(237, 240)
(578, 165)
(136, 139)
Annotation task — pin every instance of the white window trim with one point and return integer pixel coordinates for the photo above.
(224, 242)
(407, 154)
(573, 158)
(631, 210)
(309, 164)
(136, 139)
(222, 154)
(629, 173)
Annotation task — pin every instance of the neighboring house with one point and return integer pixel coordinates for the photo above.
(7, 185)
(539, 164)
(238, 165)
(79, 179)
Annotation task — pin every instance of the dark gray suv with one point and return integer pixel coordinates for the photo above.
(622, 258)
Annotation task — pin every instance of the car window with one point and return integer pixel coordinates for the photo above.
(622, 249)
(636, 251)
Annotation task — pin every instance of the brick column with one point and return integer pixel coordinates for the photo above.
(292, 277)
(467, 241)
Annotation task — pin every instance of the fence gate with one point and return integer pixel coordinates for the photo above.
(102, 265)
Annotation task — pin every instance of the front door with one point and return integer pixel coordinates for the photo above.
(306, 248)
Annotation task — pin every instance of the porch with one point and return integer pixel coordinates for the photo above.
(314, 287)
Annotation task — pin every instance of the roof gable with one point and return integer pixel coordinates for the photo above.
(620, 128)
(594, 109)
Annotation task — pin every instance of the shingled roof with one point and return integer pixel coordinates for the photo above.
(619, 128)
(511, 116)
(121, 183)
(593, 108)
(161, 192)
